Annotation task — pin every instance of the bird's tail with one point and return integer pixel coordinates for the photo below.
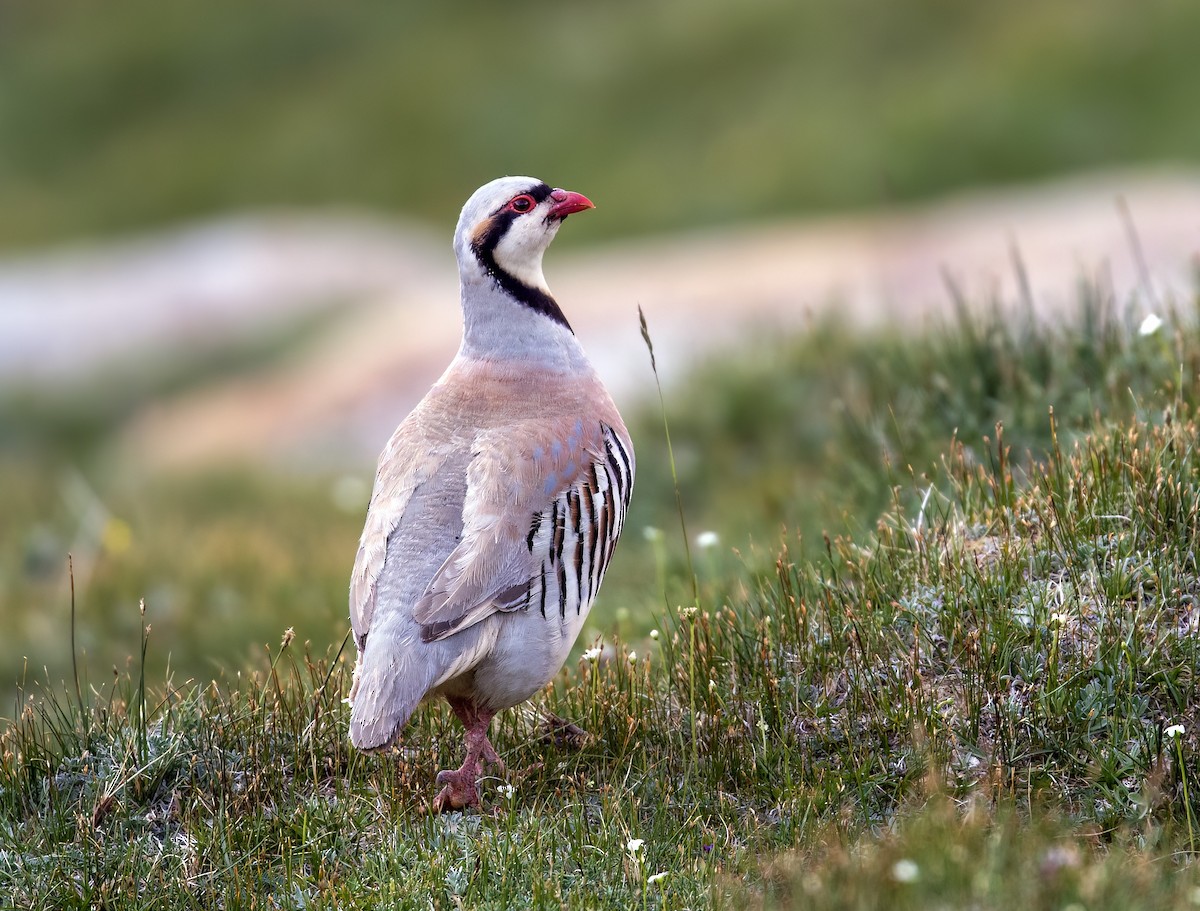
(397, 669)
(390, 680)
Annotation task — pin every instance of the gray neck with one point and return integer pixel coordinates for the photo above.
(498, 327)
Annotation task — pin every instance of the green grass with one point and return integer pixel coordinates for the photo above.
(986, 698)
(981, 857)
(224, 563)
(843, 419)
(677, 114)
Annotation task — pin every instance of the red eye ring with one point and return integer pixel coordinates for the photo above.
(522, 204)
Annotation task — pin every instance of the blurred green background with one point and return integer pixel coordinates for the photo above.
(132, 117)
(129, 115)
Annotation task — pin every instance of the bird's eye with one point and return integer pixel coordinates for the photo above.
(522, 204)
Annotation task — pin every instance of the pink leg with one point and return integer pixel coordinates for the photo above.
(461, 785)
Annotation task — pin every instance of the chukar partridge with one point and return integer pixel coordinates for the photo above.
(497, 502)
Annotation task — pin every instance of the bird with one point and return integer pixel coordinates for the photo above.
(497, 502)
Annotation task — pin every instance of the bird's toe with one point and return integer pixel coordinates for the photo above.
(459, 792)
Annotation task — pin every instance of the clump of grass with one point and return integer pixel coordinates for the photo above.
(826, 428)
(131, 797)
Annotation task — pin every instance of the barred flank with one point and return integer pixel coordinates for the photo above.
(580, 530)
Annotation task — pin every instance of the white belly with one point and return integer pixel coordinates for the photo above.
(528, 651)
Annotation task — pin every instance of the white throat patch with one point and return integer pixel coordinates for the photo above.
(519, 252)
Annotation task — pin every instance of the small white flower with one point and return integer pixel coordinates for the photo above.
(712, 686)
(905, 871)
(650, 533)
(656, 878)
(654, 634)
(632, 657)
(507, 791)
(707, 539)
(1150, 324)
(634, 845)
(689, 612)
(1175, 730)
(1058, 619)
(593, 654)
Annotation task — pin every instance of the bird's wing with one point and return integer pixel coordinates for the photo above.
(403, 468)
(544, 505)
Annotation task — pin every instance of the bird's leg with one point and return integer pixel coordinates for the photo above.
(476, 719)
(461, 785)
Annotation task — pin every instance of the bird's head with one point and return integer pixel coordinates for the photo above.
(504, 229)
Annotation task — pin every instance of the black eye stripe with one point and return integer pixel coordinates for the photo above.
(539, 193)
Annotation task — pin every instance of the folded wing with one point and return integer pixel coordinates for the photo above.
(540, 522)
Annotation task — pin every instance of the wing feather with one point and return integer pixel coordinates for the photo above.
(537, 522)
(402, 471)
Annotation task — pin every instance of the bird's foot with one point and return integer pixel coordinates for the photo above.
(460, 790)
(461, 786)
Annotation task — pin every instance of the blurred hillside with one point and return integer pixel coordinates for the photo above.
(300, 342)
(115, 117)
